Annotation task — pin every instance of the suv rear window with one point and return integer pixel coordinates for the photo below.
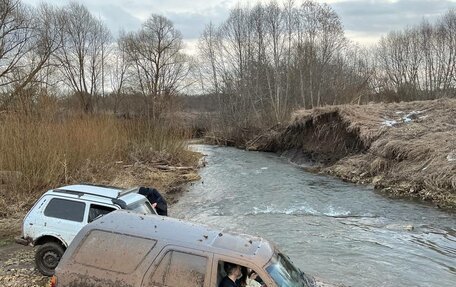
(65, 209)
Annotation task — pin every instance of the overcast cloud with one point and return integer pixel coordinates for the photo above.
(364, 20)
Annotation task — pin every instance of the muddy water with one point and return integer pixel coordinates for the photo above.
(344, 233)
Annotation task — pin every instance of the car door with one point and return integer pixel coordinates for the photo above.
(176, 267)
(64, 218)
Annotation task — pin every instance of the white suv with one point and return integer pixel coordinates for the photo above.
(60, 213)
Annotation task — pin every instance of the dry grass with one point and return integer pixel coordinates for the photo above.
(10, 226)
(415, 157)
(37, 153)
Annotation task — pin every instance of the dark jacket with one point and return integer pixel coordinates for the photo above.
(227, 282)
(155, 197)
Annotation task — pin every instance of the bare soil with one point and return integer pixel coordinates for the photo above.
(17, 267)
(404, 149)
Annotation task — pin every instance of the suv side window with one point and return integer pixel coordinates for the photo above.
(178, 269)
(65, 209)
(113, 252)
(98, 210)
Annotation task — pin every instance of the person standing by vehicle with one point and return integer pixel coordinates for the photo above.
(155, 199)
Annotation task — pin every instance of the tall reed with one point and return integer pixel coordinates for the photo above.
(43, 153)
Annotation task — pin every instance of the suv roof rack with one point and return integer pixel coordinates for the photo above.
(101, 185)
(78, 193)
(96, 190)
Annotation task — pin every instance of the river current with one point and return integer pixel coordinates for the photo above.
(345, 233)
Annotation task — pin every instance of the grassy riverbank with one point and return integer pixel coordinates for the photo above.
(404, 149)
(41, 153)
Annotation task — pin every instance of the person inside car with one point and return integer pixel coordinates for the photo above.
(249, 278)
(233, 273)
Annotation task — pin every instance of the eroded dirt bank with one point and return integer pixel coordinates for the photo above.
(405, 149)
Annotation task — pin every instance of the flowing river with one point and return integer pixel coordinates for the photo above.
(344, 233)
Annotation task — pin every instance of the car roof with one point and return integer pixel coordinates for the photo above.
(96, 190)
(99, 193)
(186, 234)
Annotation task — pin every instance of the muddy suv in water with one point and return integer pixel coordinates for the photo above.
(60, 213)
(126, 249)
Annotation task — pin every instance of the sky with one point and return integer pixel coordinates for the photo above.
(365, 21)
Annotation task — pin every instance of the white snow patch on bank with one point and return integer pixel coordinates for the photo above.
(389, 123)
(408, 118)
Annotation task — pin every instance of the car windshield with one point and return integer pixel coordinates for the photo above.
(285, 274)
(142, 207)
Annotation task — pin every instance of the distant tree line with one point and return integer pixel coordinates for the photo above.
(418, 62)
(53, 53)
(270, 59)
(265, 61)
(256, 67)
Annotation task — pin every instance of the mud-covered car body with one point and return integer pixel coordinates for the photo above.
(60, 213)
(126, 249)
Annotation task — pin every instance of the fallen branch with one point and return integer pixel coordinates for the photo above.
(167, 167)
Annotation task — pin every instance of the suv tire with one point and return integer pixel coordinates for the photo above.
(47, 257)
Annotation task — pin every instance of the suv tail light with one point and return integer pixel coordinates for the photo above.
(53, 282)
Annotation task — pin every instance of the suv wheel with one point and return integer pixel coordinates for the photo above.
(47, 257)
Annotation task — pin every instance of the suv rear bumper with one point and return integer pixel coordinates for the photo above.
(23, 241)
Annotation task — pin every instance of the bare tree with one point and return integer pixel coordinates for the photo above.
(157, 64)
(400, 59)
(29, 37)
(446, 51)
(45, 41)
(418, 62)
(118, 75)
(320, 41)
(82, 54)
(208, 47)
(275, 39)
(15, 37)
